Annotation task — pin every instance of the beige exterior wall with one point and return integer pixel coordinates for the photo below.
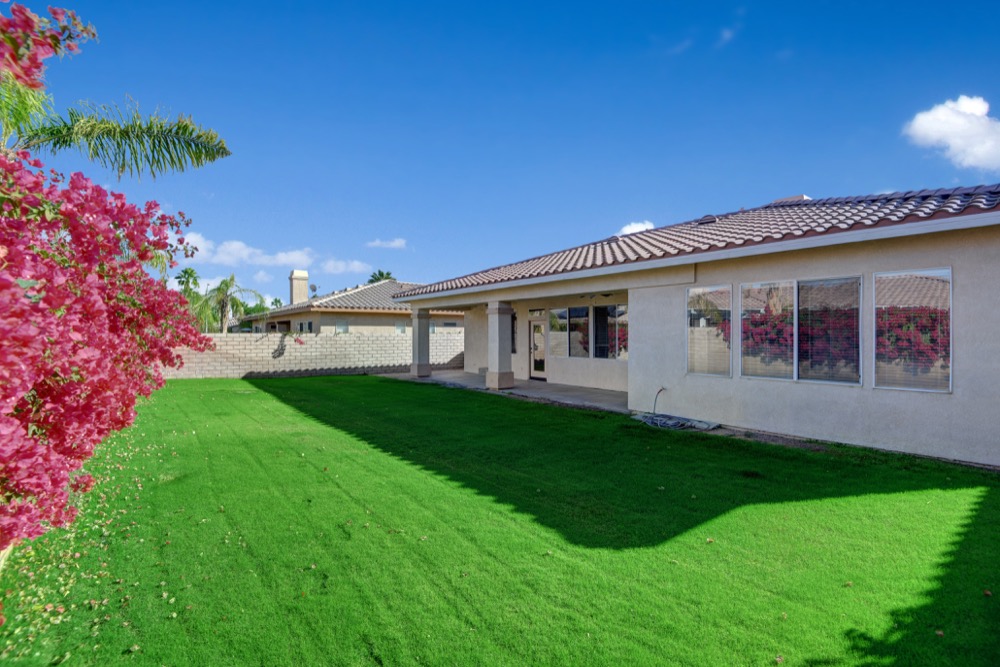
(475, 340)
(959, 425)
(582, 372)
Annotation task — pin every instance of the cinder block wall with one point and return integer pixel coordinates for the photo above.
(275, 355)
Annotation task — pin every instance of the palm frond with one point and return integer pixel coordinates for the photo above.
(121, 139)
(20, 107)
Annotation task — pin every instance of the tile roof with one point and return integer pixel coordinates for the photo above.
(376, 296)
(913, 290)
(781, 220)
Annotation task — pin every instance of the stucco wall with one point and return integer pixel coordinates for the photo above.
(960, 425)
(261, 355)
(475, 340)
(581, 372)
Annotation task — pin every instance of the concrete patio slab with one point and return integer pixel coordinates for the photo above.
(597, 399)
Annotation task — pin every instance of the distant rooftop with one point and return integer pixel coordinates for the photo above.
(371, 297)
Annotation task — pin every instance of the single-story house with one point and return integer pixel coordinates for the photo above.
(367, 309)
(863, 320)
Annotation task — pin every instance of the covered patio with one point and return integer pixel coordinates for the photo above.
(584, 397)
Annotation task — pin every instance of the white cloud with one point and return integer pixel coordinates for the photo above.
(238, 253)
(205, 284)
(725, 36)
(396, 244)
(963, 129)
(263, 277)
(345, 266)
(633, 227)
(204, 246)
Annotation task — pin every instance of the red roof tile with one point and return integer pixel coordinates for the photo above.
(781, 220)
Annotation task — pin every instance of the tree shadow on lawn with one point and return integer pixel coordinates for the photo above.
(605, 481)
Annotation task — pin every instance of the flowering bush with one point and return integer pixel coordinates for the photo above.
(26, 40)
(768, 335)
(83, 332)
(829, 338)
(917, 336)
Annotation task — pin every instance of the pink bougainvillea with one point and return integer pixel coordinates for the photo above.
(84, 331)
(27, 39)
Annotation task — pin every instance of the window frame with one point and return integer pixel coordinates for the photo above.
(795, 330)
(612, 339)
(951, 329)
(687, 331)
(861, 293)
(561, 328)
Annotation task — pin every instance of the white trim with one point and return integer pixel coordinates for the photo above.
(826, 239)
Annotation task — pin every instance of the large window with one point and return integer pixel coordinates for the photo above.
(767, 326)
(829, 330)
(579, 332)
(709, 315)
(611, 332)
(570, 332)
(913, 330)
(805, 330)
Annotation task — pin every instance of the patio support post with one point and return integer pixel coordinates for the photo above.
(498, 366)
(421, 366)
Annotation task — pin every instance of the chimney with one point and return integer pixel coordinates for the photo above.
(298, 286)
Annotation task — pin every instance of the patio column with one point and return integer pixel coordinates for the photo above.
(498, 368)
(421, 366)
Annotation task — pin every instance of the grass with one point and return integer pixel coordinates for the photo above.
(366, 521)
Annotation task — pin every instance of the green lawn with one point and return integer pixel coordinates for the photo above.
(367, 521)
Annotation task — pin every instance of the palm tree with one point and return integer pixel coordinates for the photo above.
(275, 302)
(226, 300)
(379, 275)
(119, 139)
(187, 279)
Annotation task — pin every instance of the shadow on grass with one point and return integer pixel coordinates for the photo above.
(605, 481)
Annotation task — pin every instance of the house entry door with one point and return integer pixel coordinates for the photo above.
(537, 371)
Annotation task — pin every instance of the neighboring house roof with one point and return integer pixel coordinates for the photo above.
(782, 220)
(908, 290)
(374, 297)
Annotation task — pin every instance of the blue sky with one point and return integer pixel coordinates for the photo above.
(433, 139)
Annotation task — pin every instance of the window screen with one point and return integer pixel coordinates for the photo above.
(913, 330)
(709, 315)
(579, 332)
(829, 330)
(558, 326)
(767, 329)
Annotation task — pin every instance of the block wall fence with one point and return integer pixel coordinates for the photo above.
(249, 355)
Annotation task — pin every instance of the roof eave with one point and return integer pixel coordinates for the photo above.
(831, 238)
